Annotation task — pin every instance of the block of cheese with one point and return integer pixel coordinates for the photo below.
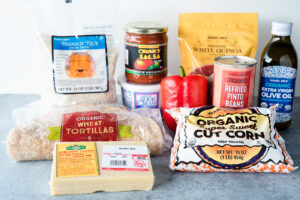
(88, 167)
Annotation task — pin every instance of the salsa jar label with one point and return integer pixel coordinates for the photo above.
(143, 59)
(278, 88)
(89, 126)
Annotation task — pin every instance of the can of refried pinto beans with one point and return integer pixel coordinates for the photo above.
(234, 80)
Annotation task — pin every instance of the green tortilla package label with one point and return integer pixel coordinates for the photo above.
(214, 139)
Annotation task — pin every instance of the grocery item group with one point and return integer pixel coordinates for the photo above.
(205, 113)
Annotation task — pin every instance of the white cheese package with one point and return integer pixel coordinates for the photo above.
(214, 139)
(88, 167)
(39, 127)
(77, 46)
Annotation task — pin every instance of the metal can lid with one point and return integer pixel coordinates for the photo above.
(235, 61)
(145, 27)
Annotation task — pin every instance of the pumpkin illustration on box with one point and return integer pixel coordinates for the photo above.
(80, 65)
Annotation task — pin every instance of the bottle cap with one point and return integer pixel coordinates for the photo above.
(282, 28)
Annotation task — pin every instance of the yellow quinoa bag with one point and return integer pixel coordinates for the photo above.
(204, 36)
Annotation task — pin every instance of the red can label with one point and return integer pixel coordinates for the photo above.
(235, 87)
(89, 126)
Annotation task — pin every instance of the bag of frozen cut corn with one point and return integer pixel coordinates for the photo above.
(214, 139)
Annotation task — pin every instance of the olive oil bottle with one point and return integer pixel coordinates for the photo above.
(278, 74)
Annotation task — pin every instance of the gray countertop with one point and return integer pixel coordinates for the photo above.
(30, 180)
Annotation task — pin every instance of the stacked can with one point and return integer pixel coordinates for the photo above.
(145, 64)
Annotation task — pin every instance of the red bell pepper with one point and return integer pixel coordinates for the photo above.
(177, 91)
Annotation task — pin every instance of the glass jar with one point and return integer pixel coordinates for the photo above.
(145, 52)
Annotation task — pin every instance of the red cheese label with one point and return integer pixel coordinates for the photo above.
(89, 126)
(125, 158)
(235, 89)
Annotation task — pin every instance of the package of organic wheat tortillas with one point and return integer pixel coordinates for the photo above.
(205, 36)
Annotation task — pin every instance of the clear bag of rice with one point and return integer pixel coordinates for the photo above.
(77, 44)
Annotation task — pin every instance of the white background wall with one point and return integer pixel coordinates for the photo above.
(19, 69)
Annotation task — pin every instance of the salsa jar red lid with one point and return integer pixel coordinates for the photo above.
(146, 52)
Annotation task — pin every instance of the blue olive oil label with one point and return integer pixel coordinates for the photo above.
(278, 88)
(79, 64)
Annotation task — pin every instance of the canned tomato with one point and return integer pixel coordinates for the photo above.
(233, 84)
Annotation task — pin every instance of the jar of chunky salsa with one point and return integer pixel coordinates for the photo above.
(146, 52)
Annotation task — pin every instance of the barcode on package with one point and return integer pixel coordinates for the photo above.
(118, 163)
(141, 158)
(122, 157)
